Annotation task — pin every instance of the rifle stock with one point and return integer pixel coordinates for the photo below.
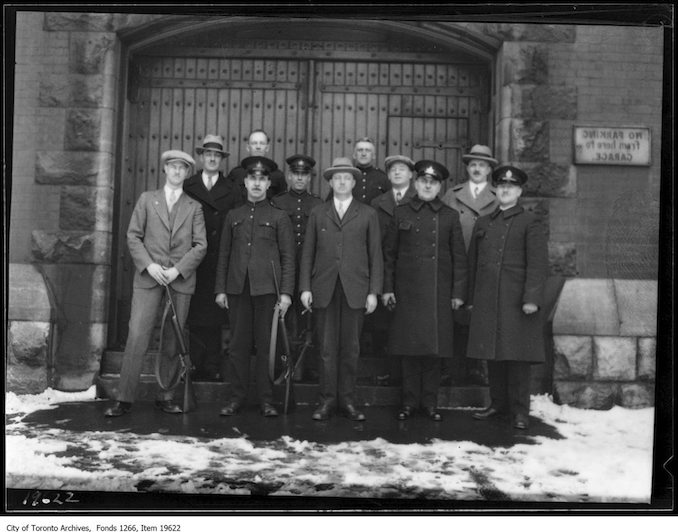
(190, 402)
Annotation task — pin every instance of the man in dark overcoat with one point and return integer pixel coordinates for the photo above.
(342, 272)
(508, 266)
(424, 281)
(472, 199)
(217, 195)
(298, 203)
(256, 249)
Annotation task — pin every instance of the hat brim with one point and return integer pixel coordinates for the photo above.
(200, 150)
(491, 160)
(327, 174)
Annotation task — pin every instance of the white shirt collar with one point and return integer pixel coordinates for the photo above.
(168, 191)
(206, 179)
(478, 186)
(342, 203)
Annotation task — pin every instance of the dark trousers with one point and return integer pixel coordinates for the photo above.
(339, 328)
(206, 354)
(145, 308)
(250, 318)
(510, 386)
(421, 379)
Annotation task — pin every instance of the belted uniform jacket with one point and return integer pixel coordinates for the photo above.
(425, 267)
(298, 207)
(508, 266)
(348, 249)
(469, 208)
(152, 238)
(256, 239)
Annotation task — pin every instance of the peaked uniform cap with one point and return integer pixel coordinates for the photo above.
(392, 159)
(258, 165)
(214, 143)
(483, 153)
(509, 174)
(431, 168)
(341, 164)
(300, 163)
(176, 155)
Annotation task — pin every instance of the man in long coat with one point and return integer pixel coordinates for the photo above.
(424, 280)
(508, 265)
(217, 195)
(472, 199)
(166, 240)
(342, 272)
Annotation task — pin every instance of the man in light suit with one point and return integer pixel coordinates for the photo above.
(166, 239)
(342, 271)
(471, 199)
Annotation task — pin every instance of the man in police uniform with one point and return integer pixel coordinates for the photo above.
(217, 195)
(471, 199)
(258, 145)
(256, 240)
(371, 182)
(298, 202)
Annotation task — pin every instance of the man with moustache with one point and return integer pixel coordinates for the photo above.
(217, 195)
(341, 275)
(258, 145)
(256, 248)
(508, 267)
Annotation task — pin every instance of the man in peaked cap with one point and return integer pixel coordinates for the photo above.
(425, 275)
(166, 239)
(256, 240)
(298, 202)
(508, 265)
(341, 276)
(472, 199)
(217, 195)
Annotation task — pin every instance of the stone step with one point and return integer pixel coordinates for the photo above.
(305, 393)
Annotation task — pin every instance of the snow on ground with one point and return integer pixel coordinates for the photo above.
(604, 456)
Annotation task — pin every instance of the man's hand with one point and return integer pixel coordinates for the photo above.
(457, 303)
(370, 304)
(389, 300)
(171, 274)
(284, 303)
(307, 299)
(158, 273)
(530, 308)
(221, 300)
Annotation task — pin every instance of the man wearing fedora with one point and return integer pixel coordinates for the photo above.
(471, 199)
(425, 274)
(508, 267)
(298, 203)
(341, 276)
(256, 249)
(166, 239)
(217, 195)
(258, 145)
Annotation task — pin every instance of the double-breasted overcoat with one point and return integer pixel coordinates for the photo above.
(469, 208)
(508, 266)
(425, 267)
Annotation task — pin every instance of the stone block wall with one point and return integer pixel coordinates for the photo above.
(605, 343)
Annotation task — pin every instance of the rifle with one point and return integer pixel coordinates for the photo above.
(185, 367)
(287, 373)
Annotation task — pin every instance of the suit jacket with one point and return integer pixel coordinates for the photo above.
(152, 238)
(348, 249)
(469, 208)
(385, 205)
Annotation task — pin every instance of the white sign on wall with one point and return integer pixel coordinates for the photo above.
(629, 146)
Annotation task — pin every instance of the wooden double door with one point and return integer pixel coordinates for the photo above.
(408, 105)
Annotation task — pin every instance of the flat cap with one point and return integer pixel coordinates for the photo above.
(392, 159)
(432, 169)
(176, 155)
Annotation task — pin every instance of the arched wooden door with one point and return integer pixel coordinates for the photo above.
(419, 105)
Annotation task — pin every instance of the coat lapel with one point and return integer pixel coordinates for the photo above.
(350, 213)
(183, 207)
(160, 206)
(331, 213)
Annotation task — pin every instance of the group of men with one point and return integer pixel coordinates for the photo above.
(471, 264)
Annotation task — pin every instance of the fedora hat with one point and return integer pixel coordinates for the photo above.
(341, 164)
(214, 143)
(480, 152)
(176, 155)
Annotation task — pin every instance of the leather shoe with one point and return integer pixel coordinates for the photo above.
(118, 409)
(323, 412)
(405, 413)
(169, 407)
(352, 413)
(432, 413)
(268, 410)
(521, 422)
(486, 414)
(231, 409)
